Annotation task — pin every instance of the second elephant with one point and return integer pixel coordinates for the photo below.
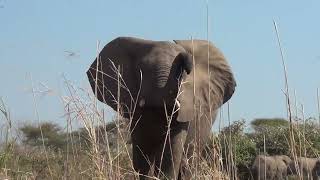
(270, 167)
(307, 167)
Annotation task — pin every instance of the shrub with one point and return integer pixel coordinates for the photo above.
(234, 140)
(47, 134)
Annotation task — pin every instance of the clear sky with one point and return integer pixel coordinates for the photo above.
(35, 35)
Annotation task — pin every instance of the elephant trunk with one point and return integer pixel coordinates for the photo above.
(166, 71)
(163, 85)
(161, 75)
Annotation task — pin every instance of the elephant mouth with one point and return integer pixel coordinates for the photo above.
(176, 105)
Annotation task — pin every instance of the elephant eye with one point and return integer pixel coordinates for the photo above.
(170, 91)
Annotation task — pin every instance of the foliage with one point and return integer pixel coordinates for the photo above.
(236, 128)
(47, 134)
(307, 138)
(108, 134)
(6, 153)
(242, 147)
(273, 141)
(263, 124)
(30, 160)
(272, 137)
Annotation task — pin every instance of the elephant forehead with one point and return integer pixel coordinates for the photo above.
(162, 52)
(158, 59)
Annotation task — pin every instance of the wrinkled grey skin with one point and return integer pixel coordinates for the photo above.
(270, 167)
(308, 167)
(163, 67)
(316, 170)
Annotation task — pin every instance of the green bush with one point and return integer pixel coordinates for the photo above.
(48, 134)
(307, 138)
(272, 136)
(242, 147)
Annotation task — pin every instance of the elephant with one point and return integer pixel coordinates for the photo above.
(308, 167)
(270, 167)
(316, 170)
(170, 92)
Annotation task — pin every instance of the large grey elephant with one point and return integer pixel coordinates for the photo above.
(309, 168)
(270, 167)
(170, 91)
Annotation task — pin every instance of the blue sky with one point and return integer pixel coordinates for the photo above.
(35, 34)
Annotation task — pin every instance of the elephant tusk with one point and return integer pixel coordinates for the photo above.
(178, 105)
(142, 102)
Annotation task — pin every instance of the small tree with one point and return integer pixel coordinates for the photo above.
(271, 135)
(47, 134)
(234, 140)
(307, 134)
(263, 124)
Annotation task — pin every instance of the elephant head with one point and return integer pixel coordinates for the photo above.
(148, 74)
(143, 73)
(285, 159)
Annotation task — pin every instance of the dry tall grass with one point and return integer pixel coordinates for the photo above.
(297, 139)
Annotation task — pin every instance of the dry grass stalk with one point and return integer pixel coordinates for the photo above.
(39, 122)
(292, 144)
(318, 104)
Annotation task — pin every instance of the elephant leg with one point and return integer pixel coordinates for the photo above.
(142, 162)
(199, 132)
(184, 172)
(143, 149)
(169, 154)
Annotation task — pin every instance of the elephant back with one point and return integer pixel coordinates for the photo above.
(270, 167)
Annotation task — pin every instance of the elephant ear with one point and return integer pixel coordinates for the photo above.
(219, 79)
(286, 159)
(113, 72)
